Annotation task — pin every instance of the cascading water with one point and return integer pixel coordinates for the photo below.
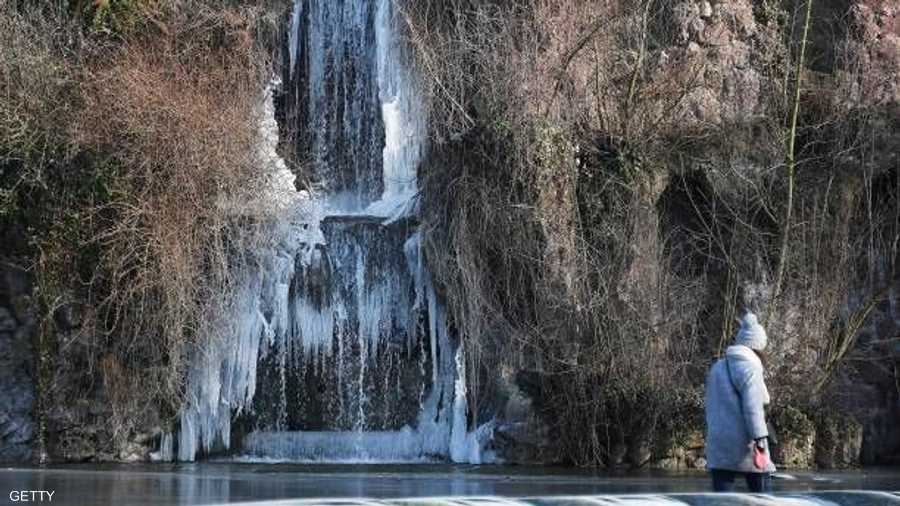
(340, 349)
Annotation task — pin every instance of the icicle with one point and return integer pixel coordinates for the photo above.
(222, 377)
(165, 453)
(458, 450)
(338, 268)
(403, 115)
(294, 37)
(314, 326)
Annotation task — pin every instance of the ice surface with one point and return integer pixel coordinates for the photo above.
(853, 498)
(428, 483)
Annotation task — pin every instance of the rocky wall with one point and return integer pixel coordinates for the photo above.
(17, 327)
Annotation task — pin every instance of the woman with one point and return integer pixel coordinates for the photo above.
(736, 395)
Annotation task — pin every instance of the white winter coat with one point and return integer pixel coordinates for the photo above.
(734, 421)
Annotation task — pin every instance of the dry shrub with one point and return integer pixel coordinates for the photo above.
(137, 159)
(563, 131)
(177, 112)
(543, 226)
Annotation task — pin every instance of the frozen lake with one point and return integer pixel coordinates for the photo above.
(283, 484)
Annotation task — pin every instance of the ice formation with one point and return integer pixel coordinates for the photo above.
(403, 115)
(339, 347)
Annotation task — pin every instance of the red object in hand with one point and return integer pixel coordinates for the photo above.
(760, 459)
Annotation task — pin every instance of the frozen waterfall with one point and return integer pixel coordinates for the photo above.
(339, 347)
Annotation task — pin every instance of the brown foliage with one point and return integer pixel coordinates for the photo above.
(155, 191)
(179, 122)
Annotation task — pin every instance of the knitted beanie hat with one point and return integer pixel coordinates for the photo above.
(751, 333)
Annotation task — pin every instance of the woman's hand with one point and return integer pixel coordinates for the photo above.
(760, 453)
(761, 443)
